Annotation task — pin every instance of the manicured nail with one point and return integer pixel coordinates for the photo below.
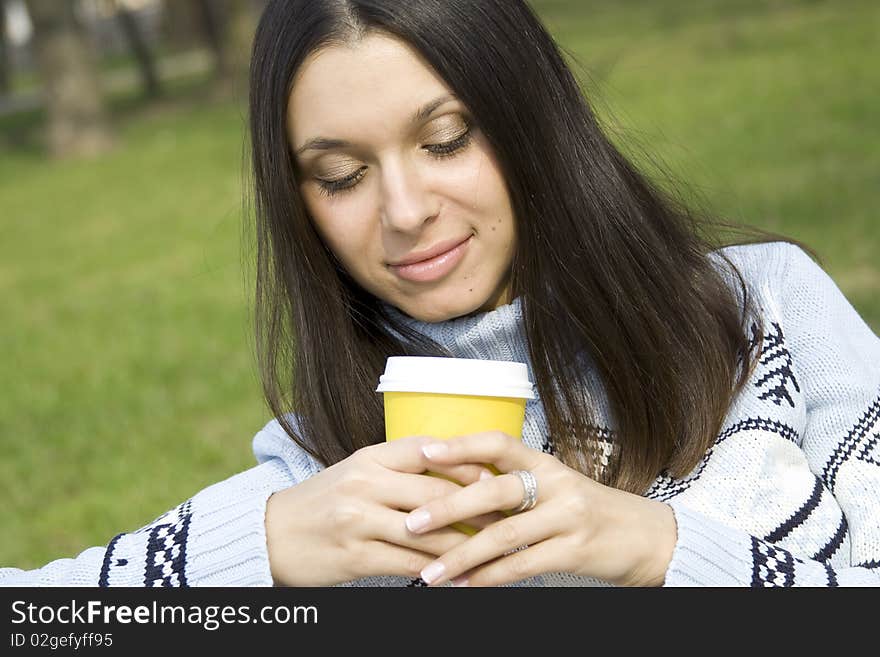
(432, 571)
(434, 449)
(417, 520)
(461, 580)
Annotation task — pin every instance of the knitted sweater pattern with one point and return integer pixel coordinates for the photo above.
(788, 494)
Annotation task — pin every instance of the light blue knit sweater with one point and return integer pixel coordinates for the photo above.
(789, 494)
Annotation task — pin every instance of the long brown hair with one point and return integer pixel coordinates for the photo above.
(606, 261)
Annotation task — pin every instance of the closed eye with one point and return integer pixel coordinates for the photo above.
(440, 151)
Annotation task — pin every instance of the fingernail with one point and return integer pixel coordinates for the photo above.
(461, 580)
(417, 520)
(432, 571)
(434, 449)
(485, 474)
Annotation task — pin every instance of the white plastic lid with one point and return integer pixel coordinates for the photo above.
(456, 376)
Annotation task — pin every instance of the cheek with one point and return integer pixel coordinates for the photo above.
(483, 188)
(343, 225)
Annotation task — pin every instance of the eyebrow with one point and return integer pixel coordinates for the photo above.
(323, 144)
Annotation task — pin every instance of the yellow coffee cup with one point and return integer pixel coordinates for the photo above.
(446, 397)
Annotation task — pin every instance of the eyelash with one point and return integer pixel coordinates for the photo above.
(444, 150)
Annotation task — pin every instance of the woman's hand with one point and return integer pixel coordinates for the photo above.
(347, 521)
(577, 526)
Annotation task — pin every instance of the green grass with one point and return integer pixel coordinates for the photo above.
(127, 382)
(767, 109)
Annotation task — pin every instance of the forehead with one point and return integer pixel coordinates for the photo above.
(378, 80)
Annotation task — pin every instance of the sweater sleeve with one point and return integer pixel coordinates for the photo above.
(215, 538)
(837, 358)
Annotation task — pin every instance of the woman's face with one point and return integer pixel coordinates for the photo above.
(405, 193)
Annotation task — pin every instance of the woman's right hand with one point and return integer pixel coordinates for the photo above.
(349, 520)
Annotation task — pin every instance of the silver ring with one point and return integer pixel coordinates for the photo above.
(530, 490)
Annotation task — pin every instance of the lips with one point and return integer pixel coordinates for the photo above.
(441, 259)
(436, 250)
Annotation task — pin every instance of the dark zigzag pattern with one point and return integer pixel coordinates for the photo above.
(774, 350)
(772, 566)
(666, 487)
(863, 454)
(800, 516)
(834, 544)
(104, 577)
(848, 445)
(166, 549)
(832, 576)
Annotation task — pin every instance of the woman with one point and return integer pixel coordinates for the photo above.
(430, 181)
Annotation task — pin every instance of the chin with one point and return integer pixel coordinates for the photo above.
(438, 312)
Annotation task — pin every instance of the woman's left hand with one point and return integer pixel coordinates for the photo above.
(577, 525)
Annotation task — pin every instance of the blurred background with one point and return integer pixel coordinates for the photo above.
(127, 381)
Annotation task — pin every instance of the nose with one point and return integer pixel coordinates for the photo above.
(407, 204)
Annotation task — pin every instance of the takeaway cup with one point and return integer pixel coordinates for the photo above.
(446, 397)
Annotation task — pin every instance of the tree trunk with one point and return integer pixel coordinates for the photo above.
(5, 56)
(211, 16)
(181, 25)
(229, 27)
(77, 120)
(146, 62)
(241, 24)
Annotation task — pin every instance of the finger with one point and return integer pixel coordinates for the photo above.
(406, 455)
(406, 491)
(463, 474)
(483, 521)
(388, 559)
(512, 567)
(390, 527)
(497, 540)
(403, 454)
(468, 475)
(494, 447)
(487, 496)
